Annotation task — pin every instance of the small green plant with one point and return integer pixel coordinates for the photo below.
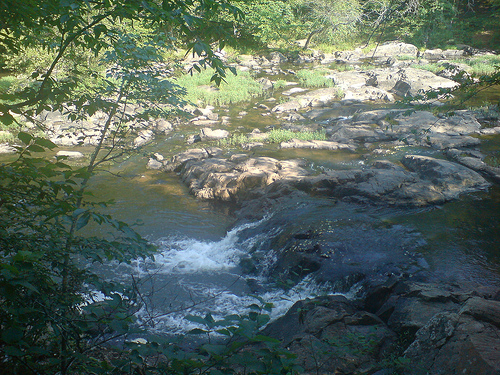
(431, 67)
(406, 57)
(283, 135)
(314, 78)
(6, 137)
(279, 84)
(235, 140)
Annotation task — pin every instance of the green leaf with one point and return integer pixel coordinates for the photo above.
(25, 137)
(13, 351)
(262, 338)
(196, 319)
(35, 148)
(12, 335)
(82, 221)
(44, 142)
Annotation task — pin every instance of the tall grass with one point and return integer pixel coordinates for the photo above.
(201, 91)
(478, 66)
(283, 135)
(314, 78)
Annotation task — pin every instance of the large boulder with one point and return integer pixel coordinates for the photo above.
(394, 49)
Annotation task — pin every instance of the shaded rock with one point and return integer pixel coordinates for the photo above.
(483, 310)
(452, 179)
(455, 71)
(330, 335)
(475, 163)
(178, 160)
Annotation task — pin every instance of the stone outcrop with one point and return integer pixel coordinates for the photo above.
(411, 327)
(425, 180)
(417, 128)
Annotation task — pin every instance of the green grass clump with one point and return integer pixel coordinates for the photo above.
(6, 85)
(283, 135)
(431, 67)
(279, 84)
(483, 65)
(235, 140)
(201, 91)
(6, 137)
(314, 78)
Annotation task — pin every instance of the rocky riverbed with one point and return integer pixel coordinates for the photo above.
(402, 317)
(400, 314)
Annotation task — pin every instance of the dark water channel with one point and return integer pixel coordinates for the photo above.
(204, 251)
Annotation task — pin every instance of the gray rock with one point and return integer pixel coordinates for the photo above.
(208, 133)
(450, 178)
(193, 138)
(143, 137)
(70, 154)
(318, 145)
(293, 91)
(394, 49)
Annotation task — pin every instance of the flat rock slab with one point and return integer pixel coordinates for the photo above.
(424, 181)
(316, 145)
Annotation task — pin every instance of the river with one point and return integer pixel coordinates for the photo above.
(204, 251)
